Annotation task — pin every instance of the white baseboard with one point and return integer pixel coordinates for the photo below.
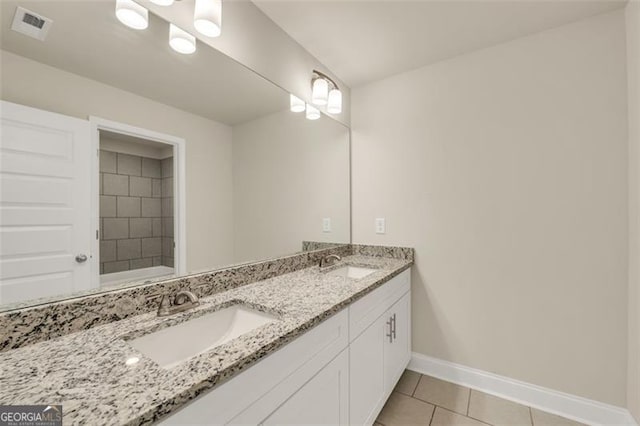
(563, 404)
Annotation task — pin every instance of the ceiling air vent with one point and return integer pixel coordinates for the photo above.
(31, 24)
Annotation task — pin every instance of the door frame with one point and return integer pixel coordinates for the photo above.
(179, 187)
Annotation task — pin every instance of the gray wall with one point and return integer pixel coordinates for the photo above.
(135, 207)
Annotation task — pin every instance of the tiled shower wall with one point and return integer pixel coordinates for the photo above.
(136, 212)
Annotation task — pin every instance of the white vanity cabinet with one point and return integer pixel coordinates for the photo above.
(338, 373)
(380, 353)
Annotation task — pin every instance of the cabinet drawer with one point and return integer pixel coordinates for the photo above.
(366, 310)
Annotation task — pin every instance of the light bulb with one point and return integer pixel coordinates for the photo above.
(320, 91)
(297, 104)
(312, 112)
(334, 105)
(181, 41)
(207, 17)
(132, 14)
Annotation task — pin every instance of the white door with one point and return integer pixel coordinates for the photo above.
(45, 183)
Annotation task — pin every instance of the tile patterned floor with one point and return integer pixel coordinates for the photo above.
(424, 400)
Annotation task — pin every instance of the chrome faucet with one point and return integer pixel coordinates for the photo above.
(326, 261)
(184, 300)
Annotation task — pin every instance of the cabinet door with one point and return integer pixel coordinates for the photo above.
(323, 400)
(397, 348)
(366, 372)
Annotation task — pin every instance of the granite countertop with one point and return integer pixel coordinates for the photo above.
(87, 374)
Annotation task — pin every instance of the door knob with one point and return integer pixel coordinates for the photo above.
(81, 258)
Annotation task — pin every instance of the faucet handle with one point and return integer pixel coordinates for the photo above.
(165, 304)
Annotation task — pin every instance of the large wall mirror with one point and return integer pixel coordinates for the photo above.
(124, 161)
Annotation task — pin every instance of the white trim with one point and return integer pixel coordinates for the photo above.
(563, 404)
(179, 189)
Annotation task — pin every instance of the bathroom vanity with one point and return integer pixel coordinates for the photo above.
(272, 342)
(341, 372)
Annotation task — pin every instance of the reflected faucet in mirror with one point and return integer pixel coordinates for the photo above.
(183, 301)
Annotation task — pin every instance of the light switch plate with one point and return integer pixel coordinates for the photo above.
(326, 224)
(380, 225)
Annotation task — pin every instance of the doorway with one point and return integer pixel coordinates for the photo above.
(139, 204)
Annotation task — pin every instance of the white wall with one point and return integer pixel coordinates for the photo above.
(288, 174)
(506, 169)
(254, 40)
(208, 174)
(632, 13)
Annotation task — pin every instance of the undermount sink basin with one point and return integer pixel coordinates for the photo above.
(349, 271)
(173, 345)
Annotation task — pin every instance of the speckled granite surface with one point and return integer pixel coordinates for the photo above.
(29, 325)
(87, 374)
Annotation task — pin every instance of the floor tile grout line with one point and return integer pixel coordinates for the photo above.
(468, 402)
(417, 384)
(469, 417)
(530, 415)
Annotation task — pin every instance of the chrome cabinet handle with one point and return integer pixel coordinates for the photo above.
(390, 333)
(81, 258)
(393, 326)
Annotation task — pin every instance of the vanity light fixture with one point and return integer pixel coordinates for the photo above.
(297, 104)
(325, 91)
(334, 105)
(132, 14)
(207, 17)
(181, 41)
(312, 113)
(162, 2)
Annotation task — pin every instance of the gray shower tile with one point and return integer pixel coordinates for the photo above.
(110, 267)
(129, 165)
(167, 167)
(129, 249)
(157, 260)
(128, 207)
(167, 247)
(139, 186)
(151, 207)
(167, 207)
(167, 261)
(115, 184)
(107, 206)
(151, 247)
(140, 227)
(156, 225)
(108, 162)
(107, 251)
(167, 227)
(115, 228)
(142, 263)
(156, 188)
(151, 167)
(167, 187)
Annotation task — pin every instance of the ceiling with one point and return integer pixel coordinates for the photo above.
(87, 39)
(363, 40)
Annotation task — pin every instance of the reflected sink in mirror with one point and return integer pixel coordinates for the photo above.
(349, 271)
(173, 345)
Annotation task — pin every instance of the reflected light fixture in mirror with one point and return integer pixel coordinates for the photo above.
(297, 104)
(207, 17)
(162, 2)
(181, 41)
(320, 91)
(325, 91)
(313, 113)
(132, 14)
(334, 105)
